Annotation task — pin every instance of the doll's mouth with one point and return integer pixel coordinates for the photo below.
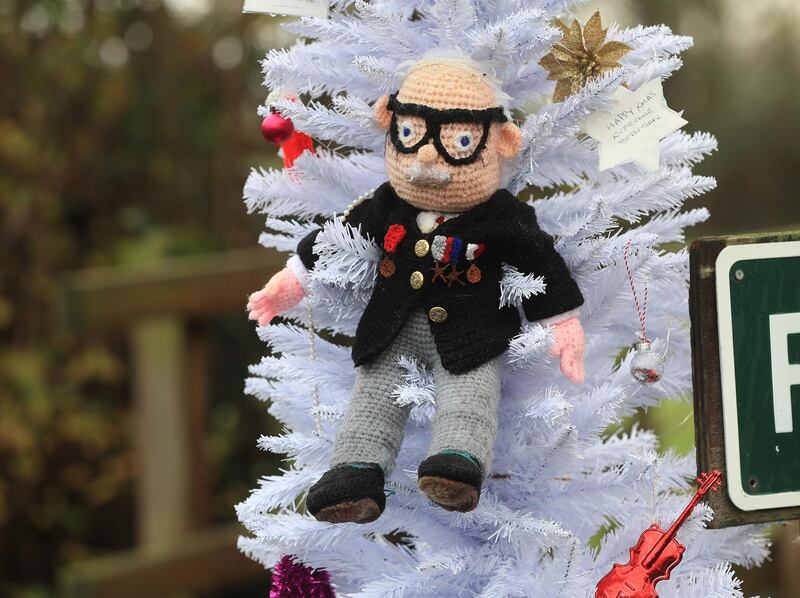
(427, 176)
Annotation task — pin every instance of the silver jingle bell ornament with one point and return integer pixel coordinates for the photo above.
(647, 366)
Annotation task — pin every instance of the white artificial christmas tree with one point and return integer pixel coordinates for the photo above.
(568, 493)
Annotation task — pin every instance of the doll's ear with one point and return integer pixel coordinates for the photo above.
(510, 141)
(382, 114)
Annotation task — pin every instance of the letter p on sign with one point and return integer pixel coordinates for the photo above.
(758, 320)
(785, 375)
(745, 307)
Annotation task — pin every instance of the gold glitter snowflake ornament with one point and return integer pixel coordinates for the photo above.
(582, 55)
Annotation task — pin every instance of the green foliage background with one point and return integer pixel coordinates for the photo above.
(104, 162)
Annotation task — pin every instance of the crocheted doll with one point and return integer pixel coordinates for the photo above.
(446, 229)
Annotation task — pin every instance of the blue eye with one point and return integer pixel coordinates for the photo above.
(464, 141)
(406, 131)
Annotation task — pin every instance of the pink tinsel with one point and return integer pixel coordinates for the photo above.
(293, 579)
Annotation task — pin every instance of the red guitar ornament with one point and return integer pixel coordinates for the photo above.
(655, 555)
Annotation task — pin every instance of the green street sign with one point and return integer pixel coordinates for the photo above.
(758, 306)
(745, 308)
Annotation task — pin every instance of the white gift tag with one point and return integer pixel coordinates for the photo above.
(295, 8)
(634, 126)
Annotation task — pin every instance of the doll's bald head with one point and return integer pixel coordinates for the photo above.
(447, 136)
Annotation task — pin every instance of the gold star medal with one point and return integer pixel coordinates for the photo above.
(438, 272)
(454, 276)
(582, 54)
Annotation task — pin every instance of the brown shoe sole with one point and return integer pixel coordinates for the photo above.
(449, 494)
(364, 510)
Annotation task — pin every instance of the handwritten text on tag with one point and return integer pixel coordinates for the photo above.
(634, 126)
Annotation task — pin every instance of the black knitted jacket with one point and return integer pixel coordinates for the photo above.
(476, 328)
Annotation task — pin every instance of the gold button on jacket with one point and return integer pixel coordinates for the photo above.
(417, 280)
(421, 248)
(437, 315)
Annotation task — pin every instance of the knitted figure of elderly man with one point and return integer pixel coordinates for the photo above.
(445, 228)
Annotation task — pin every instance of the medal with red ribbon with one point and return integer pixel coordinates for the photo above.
(474, 251)
(394, 236)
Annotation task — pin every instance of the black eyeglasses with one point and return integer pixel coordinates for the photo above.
(459, 134)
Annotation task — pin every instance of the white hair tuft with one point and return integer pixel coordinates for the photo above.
(462, 61)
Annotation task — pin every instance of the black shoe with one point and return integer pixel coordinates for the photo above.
(451, 479)
(351, 492)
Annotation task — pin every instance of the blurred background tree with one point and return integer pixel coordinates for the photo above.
(127, 128)
(126, 131)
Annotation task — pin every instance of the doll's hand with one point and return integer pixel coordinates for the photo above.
(280, 294)
(569, 347)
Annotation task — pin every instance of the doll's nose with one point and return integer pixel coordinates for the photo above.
(427, 154)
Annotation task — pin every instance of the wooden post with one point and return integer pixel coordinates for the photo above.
(788, 553)
(162, 430)
(196, 413)
(163, 310)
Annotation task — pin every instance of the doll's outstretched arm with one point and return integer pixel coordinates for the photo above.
(534, 251)
(283, 291)
(288, 287)
(563, 303)
(569, 346)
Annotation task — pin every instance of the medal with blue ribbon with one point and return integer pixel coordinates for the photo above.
(447, 252)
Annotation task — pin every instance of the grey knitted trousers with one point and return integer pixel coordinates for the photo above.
(466, 405)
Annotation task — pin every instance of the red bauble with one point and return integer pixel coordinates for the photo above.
(276, 129)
